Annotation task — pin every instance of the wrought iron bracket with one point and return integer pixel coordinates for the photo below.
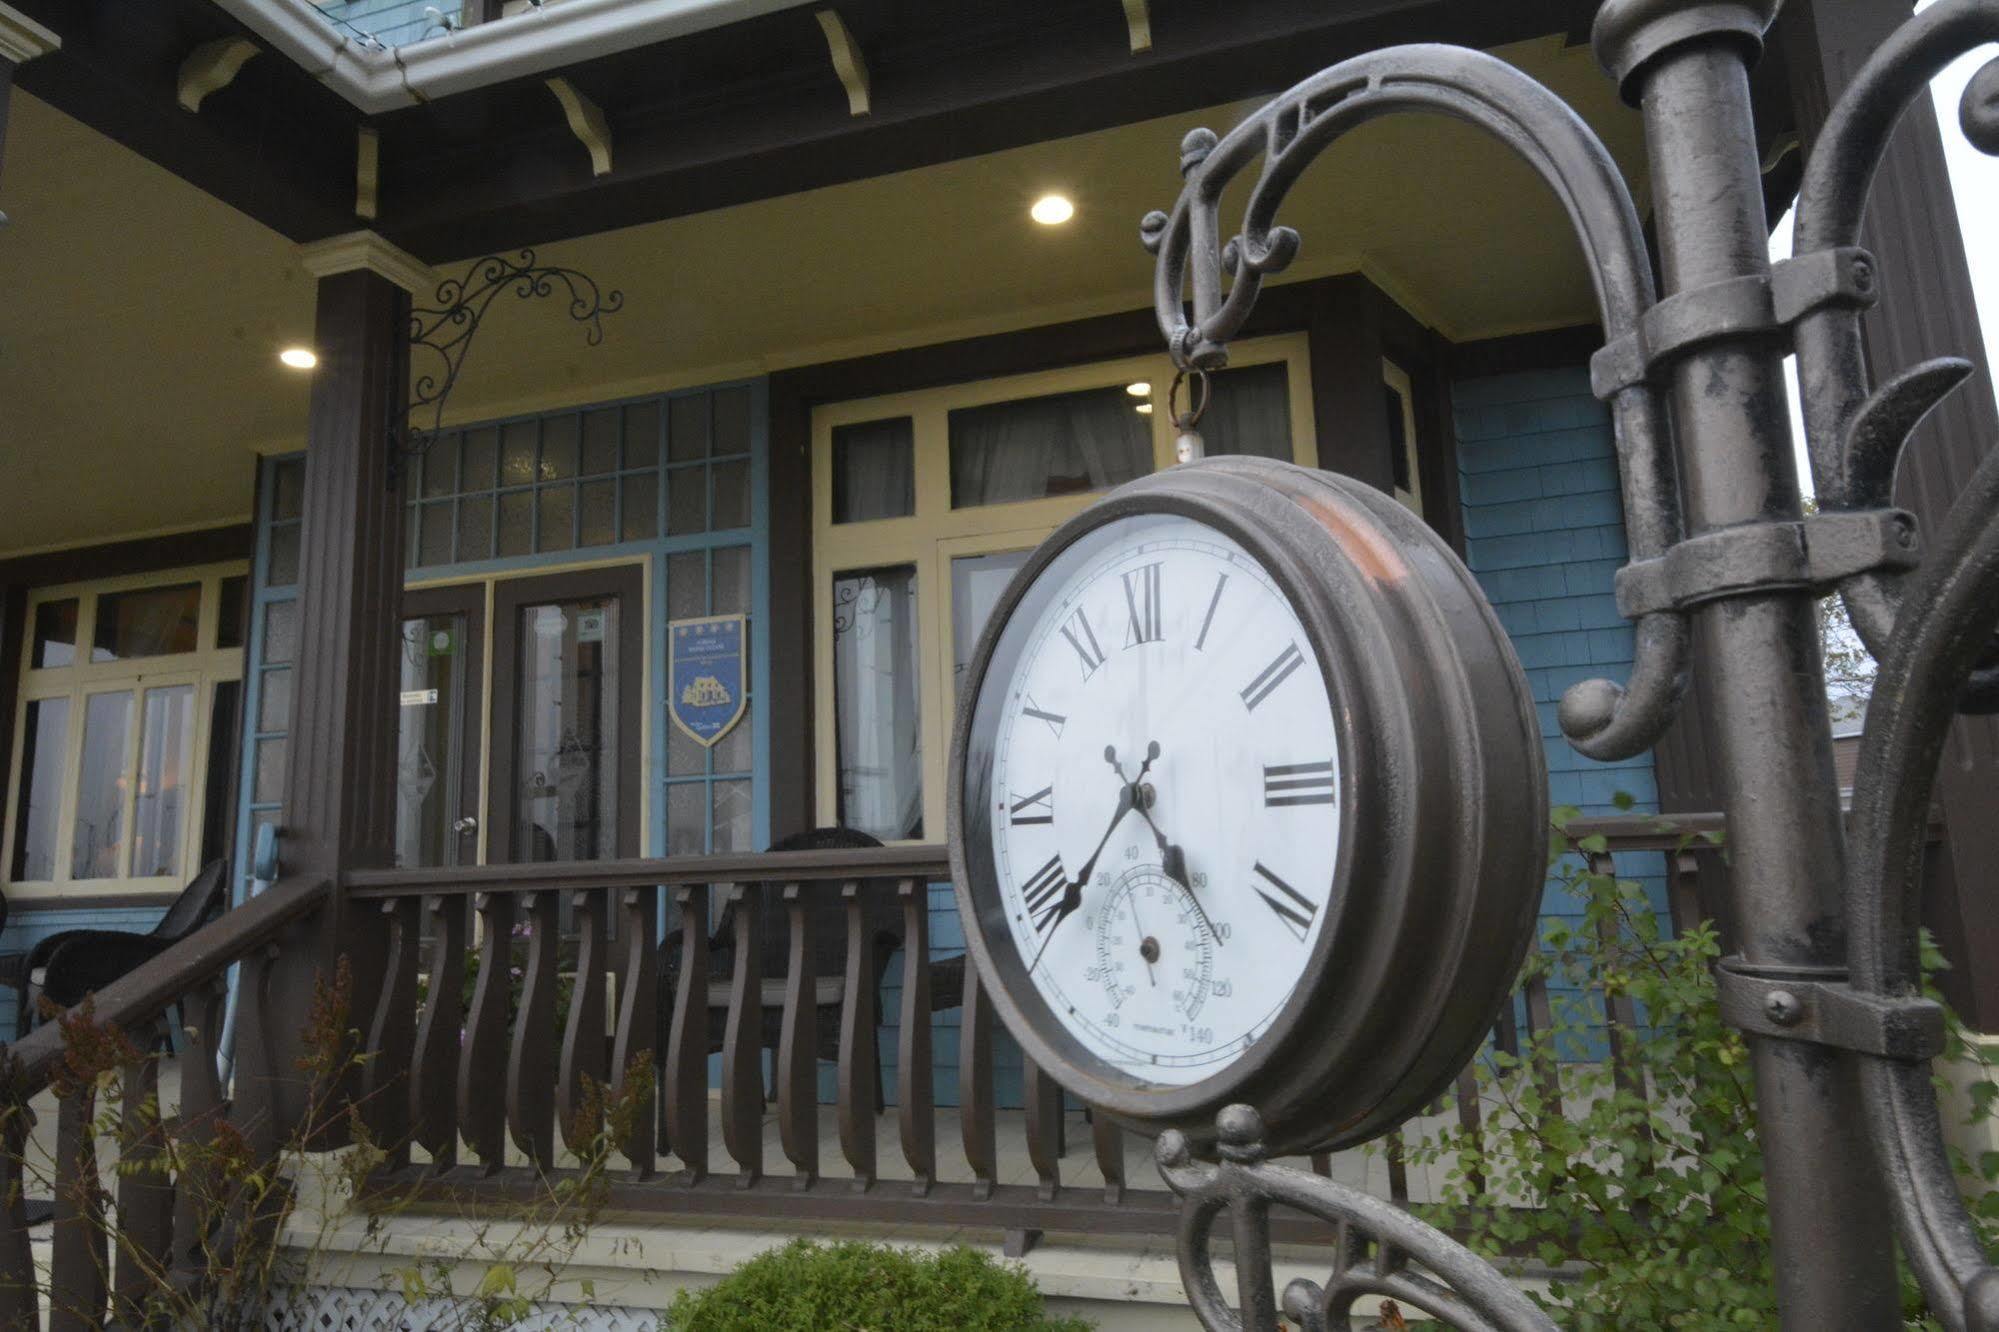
(1816, 553)
(1819, 1006)
(1739, 307)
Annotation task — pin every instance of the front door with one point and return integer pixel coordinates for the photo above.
(438, 748)
(567, 710)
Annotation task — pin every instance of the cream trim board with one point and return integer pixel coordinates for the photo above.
(935, 534)
(22, 39)
(204, 670)
(368, 250)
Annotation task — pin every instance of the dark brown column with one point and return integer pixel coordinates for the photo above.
(6, 96)
(1926, 310)
(340, 785)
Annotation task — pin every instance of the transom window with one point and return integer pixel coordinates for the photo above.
(926, 503)
(127, 719)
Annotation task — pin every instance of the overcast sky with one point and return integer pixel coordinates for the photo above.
(1974, 180)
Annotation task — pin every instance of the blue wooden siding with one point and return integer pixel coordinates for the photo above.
(1544, 533)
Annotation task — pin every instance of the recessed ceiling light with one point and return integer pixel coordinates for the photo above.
(1144, 409)
(1139, 390)
(1052, 210)
(298, 358)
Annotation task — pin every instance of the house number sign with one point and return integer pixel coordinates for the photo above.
(1248, 806)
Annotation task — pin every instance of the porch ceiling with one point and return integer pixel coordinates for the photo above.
(139, 333)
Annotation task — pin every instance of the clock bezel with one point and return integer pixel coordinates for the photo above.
(1353, 1068)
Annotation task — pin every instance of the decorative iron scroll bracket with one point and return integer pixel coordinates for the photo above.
(445, 332)
(1379, 1250)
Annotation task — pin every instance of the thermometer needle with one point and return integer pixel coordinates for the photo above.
(1150, 975)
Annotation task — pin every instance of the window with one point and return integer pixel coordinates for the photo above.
(115, 746)
(1399, 401)
(924, 506)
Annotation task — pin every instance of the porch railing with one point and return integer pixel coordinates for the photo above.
(428, 1083)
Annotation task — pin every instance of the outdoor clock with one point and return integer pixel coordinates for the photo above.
(1248, 804)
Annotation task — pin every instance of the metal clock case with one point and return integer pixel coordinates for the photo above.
(1437, 812)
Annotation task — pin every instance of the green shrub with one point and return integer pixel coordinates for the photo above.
(856, 1287)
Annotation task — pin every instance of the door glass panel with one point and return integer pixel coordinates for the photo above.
(224, 740)
(565, 797)
(55, 633)
(430, 741)
(100, 788)
(45, 731)
(149, 622)
(1062, 444)
(976, 584)
(880, 744)
(166, 755)
(1249, 412)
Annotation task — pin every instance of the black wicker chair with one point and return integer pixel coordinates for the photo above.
(881, 914)
(65, 967)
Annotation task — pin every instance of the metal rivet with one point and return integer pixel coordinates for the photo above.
(1782, 1007)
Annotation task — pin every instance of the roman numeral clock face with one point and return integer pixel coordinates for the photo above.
(1164, 797)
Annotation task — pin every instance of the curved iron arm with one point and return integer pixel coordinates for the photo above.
(1601, 718)
(1467, 1292)
(1854, 436)
(446, 329)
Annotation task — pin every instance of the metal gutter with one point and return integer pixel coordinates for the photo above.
(563, 32)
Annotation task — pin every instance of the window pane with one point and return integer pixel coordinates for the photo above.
(732, 816)
(517, 450)
(687, 428)
(600, 513)
(215, 782)
(976, 584)
(732, 422)
(55, 633)
(44, 738)
(100, 787)
(874, 470)
(879, 740)
(686, 500)
(558, 518)
(732, 581)
(686, 818)
(686, 586)
(434, 539)
(481, 448)
(475, 528)
(1249, 412)
(1063, 444)
(558, 448)
(284, 555)
(231, 623)
(685, 756)
(280, 632)
(732, 495)
(274, 709)
(641, 515)
(288, 485)
(269, 785)
(517, 523)
(642, 434)
(430, 741)
(440, 467)
(600, 441)
(148, 622)
(166, 757)
(565, 802)
(733, 752)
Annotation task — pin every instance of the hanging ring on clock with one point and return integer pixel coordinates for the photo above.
(1197, 398)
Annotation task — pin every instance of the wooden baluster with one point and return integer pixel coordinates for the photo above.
(1683, 896)
(1469, 1118)
(638, 1019)
(798, 1049)
(1506, 1030)
(1108, 1141)
(1541, 1021)
(1322, 1164)
(440, 1033)
(583, 1036)
(975, 1085)
(1043, 1096)
(385, 1095)
(1398, 1169)
(530, 1061)
(742, 1039)
(198, 1194)
(145, 1197)
(482, 1115)
(915, 1107)
(256, 1096)
(19, 1295)
(687, 1043)
(860, 1061)
(81, 1261)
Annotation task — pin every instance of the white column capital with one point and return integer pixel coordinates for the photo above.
(367, 250)
(22, 39)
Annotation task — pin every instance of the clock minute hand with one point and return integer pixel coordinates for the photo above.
(1072, 892)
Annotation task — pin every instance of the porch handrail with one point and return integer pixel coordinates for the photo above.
(907, 861)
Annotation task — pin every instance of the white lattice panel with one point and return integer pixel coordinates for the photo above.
(356, 1309)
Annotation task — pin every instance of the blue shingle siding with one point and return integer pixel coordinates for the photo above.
(27, 927)
(1544, 533)
(392, 22)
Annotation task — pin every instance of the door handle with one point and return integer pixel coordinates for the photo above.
(468, 824)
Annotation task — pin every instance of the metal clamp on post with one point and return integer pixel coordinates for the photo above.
(1815, 553)
(1817, 1005)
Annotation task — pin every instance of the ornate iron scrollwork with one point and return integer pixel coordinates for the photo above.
(444, 331)
(1377, 1244)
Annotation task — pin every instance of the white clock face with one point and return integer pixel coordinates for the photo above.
(1165, 785)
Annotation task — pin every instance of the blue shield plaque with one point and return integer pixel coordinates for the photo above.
(705, 674)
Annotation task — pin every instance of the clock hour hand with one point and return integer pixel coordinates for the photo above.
(1072, 892)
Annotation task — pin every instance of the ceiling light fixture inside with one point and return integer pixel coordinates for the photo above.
(1144, 409)
(1139, 390)
(1052, 210)
(298, 358)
